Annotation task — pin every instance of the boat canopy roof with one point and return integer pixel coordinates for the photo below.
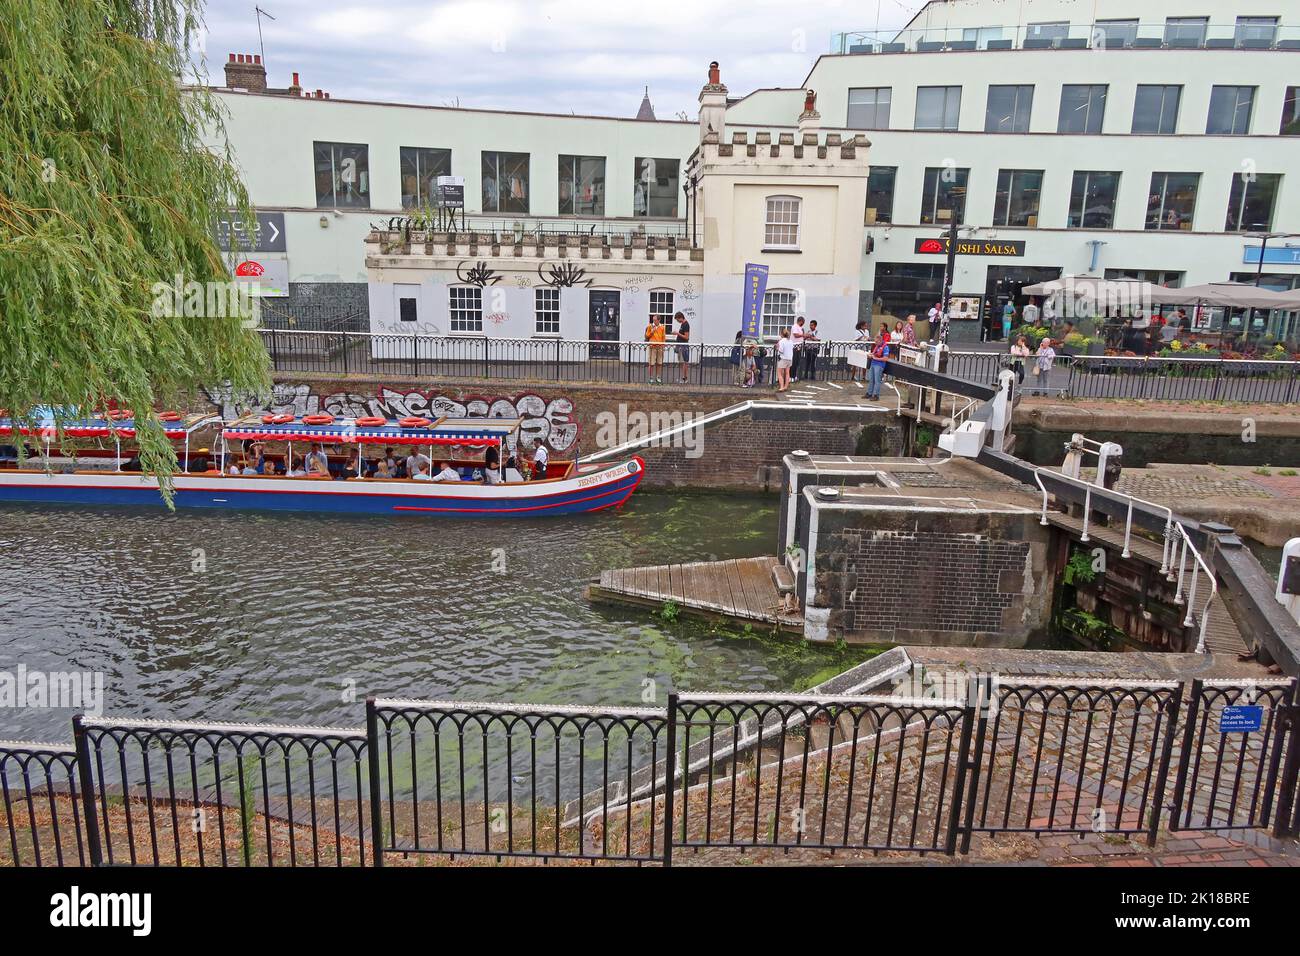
(364, 431)
(114, 424)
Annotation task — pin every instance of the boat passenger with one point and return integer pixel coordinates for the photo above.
(492, 467)
(447, 473)
(414, 459)
(317, 462)
(249, 468)
(384, 469)
(421, 472)
(236, 468)
(541, 457)
(512, 470)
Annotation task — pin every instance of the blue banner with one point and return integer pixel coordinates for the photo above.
(751, 317)
(1273, 256)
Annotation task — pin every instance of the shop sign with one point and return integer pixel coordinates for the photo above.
(996, 248)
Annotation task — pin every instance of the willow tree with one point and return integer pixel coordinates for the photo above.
(110, 185)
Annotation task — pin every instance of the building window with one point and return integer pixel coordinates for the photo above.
(880, 194)
(778, 311)
(781, 226)
(1056, 31)
(1082, 108)
(981, 35)
(656, 187)
(582, 185)
(408, 309)
(505, 182)
(1008, 109)
(1250, 204)
(1230, 108)
(546, 310)
(421, 168)
(1291, 112)
(466, 304)
(661, 304)
(1115, 32)
(937, 107)
(943, 196)
(342, 175)
(1185, 31)
(1256, 30)
(1016, 201)
(869, 107)
(1164, 277)
(1172, 200)
(1155, 109)
(1092, 200)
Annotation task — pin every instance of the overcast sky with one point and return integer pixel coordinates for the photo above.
(554, 56)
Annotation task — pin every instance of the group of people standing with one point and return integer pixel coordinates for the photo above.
(883, 347)
(656, 336)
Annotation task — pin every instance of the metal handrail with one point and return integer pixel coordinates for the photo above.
(1181, 545)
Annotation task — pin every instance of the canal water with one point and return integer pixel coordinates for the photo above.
(297, 618)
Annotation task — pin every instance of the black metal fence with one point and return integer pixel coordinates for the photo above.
(712, 775)
(565, 360)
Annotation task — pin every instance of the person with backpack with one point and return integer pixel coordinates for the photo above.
(879, 357)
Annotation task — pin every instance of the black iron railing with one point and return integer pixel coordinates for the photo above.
(708, 774)
(553, 359)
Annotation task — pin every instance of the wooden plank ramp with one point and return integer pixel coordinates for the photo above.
(740, 589)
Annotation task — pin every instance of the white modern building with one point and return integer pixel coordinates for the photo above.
(1104, 138)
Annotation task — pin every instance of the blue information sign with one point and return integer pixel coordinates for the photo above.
(1241, 719)
(751, 319)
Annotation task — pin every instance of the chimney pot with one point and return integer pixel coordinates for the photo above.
(232, 58)
(715, 75)
(257, 58)
(295, 79)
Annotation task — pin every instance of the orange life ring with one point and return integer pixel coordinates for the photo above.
(413, 422)
(121, 414)
(169, 416)
(318, 419)
(370, 421)
(268, 419)
(281, 419)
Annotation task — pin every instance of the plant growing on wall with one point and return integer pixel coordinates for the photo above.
(1079, 568)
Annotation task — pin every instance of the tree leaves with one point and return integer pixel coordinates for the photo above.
(114, 172)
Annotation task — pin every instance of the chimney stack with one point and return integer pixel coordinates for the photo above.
(295, 88)
(713, 105)
(244, 71)
(809, 119)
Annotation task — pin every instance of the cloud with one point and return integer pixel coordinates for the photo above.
(554, 56)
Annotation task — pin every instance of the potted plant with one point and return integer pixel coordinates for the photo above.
(1095, 345)
(1074, 343)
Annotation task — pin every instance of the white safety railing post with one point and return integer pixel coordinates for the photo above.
(1128, 530)
(1087, 511)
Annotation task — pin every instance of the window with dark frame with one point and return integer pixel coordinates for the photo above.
(1171, 203)
(1008, 109)
(1155, 109)
(342, 175)
(661, 304)
(420, 168)
(778, 311)
(1251, 202)
(880, 194)
(1230, 109)
(546, 310)
(582, 185)
(943, 195)
(505, 182)
(466, 307)
(656, 187)
(1083, 108)
(1016, 200)
(408, 309)
(1290, 125)
(937, 107)
(1093, 194)
(869, 107)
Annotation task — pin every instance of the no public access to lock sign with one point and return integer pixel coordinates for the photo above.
(1241, 719)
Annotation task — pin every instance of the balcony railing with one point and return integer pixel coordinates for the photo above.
(1152, 35)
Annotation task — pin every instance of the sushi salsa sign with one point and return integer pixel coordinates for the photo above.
(997, 248)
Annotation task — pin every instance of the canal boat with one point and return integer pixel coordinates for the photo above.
(566, 487)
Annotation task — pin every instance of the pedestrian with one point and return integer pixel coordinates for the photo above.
(896, 340)
(1008, 317)
(654, 336)
(1031, 313)
(797, 335)
(909, 330)
(1019, 355)
(784, 359)
(683, 345)
(737, 359)
(934, 315)
(861, 343)
(811, 347)
(541, 459)
(879, 356)
(1043, 360)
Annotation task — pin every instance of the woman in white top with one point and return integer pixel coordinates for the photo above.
(784, 359)
(797, 335)
(1019, 353)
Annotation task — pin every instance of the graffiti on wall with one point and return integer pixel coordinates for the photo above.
(550, 422)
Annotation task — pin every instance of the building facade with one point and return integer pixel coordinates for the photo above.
(1073, 141)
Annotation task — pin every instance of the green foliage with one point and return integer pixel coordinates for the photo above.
(1079, 568)
(669, 611)
(113, 174)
